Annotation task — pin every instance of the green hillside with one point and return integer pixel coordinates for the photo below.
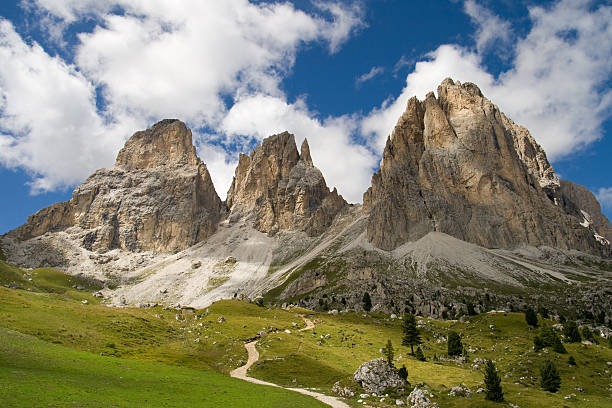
(94, 355)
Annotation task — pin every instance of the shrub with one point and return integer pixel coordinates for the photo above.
(571, 360)
(543, 312)
(492, 383)
(571, 333)
(550, 380)
(470, 309)
(587, 334)
(454, 344)
(531, 318)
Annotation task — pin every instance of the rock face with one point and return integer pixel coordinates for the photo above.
(283, 189)
(376, 376)
(457, 165)
(586, 201)
(158, 196)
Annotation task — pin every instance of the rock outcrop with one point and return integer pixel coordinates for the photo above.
(587, 203)
(283, 189)
(158, 196)
(377, 376)
(457, 165)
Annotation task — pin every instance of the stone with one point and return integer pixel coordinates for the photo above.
(221, 319)
(457, 165)
(460, 392)
(418, 398)
(282, 189)
(158, 196)
(345, 392)
(376, 376)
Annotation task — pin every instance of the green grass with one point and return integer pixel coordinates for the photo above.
(158, 347)
(355, 339)
(34, 373)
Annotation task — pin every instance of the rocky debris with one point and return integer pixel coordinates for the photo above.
(282, 189)
(460, 392)
(376, 376)
(586, 201)
(221, 319)
(457, 165)
(158, 196)
(196, 265)
(420, 398)
(345, 392)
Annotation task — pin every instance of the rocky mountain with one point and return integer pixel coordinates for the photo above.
(283, 189)
(589, 208)
(158, 196)
(465, 208)
(456, 164)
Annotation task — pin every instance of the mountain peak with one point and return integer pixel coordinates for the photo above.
(305, 153)
(167, 142)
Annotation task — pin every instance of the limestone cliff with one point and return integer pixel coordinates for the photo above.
(158, 196)
(589, 207)
(457, 165)
(282, 188)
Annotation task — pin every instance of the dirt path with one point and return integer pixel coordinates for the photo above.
(241, 373)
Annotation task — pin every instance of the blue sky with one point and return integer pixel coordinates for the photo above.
(77, 78)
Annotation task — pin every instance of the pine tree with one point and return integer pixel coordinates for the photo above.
(367, 302)
(543, 312)
(493, 383)
(571, 360)
(419, 354)
(470, 309)
(389, 353)
(571, 333)
(454, 344)
(412, 337)
(558, 346)
(550, 380)
(531, 317)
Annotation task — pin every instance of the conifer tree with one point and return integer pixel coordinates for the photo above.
(419, 354)
(389, 353)
(571, 360)
(571, 333)
(493, 383)
(550, 380)
(403, 372)
(531, 317)
(367, 302)
(454, 345)
(412, 337)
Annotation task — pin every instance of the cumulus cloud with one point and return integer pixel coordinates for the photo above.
(48, 120)
(344, 163)
(491, 30)
(604, 196)
(375, 71)
(555, 88)
(146, 60)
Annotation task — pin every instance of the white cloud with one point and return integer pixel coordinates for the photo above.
(375, 71)
(147, 60)
(48, 122)
(555, 88)
(491, 30)
(344, 163)
(604, 196)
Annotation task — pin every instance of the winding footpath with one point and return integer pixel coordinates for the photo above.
(241, 373)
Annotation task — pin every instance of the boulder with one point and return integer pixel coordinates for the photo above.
(419, 398)
(376, 376)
